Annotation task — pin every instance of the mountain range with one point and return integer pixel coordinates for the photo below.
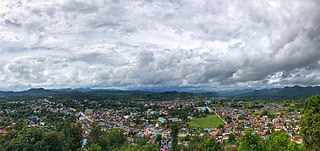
(295, 91)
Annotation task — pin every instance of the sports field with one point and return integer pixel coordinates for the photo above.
(209, 121)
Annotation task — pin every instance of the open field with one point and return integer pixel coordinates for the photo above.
(269, 111)
(206, 122)
(16, 102)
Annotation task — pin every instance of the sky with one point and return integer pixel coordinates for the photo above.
(136, 44)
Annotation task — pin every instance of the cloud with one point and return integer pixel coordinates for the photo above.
(153, 43)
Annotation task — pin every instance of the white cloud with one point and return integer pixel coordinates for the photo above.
(148, 43)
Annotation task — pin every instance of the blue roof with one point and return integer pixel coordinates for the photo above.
(33, 116)
(162, 119)
(84, 142)
(153, 112)
(157, 133)
(174, 119)
(203, 109)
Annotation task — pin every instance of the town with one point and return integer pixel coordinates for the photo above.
(220, 118)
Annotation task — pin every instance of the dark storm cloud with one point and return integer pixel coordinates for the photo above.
(153, 43)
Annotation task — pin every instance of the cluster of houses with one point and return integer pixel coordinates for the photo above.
(34, 112)
(134, 121)
(241, 120)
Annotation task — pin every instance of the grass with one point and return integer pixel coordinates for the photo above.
(269, 111)
(16, 102)
(206, 122)
(229, 144)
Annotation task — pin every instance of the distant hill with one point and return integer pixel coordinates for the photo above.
(299, 91)
(97, 94)
(235, 92)
(46, 92)
(263, 92)
(295, 91)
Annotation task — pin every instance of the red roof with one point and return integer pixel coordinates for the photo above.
(3, 131)
(278, 124)
(297, 136)
(262, 133)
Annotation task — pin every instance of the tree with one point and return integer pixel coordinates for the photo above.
(112, 139)
(95, 133)
(278, 141)
(293, 146)
(73, 135)
(94, 147)
(72, 131)
(251, 142)
(232, 137)
(310, 122)
(34, 139)
(213, 145)
(264, 113)
(128, 148)
(158, 139)
(175, 129)
(151, 147)
(141, 141)
(53, 141)
(196, 143)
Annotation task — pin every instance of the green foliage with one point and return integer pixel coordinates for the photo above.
(278, 141)
(129, 148)
(264, 113)
(72, 132)
(148, 147)
(94, 147)
(33, 139)
(95, 133)
(310, 123)
(196, 143)
(112, 139)
(141, 141)
(53, 141)
(203, 144)
(251, 142)
(232, 137)
(212, 145)
(175, 129)
(293, 146)
(151, 147)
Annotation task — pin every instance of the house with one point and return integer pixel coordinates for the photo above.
(173, 119)
(88, 111)
(162, 120)
(2, 131)
(33, 118)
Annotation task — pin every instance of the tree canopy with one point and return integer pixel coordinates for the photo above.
(310, 123)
